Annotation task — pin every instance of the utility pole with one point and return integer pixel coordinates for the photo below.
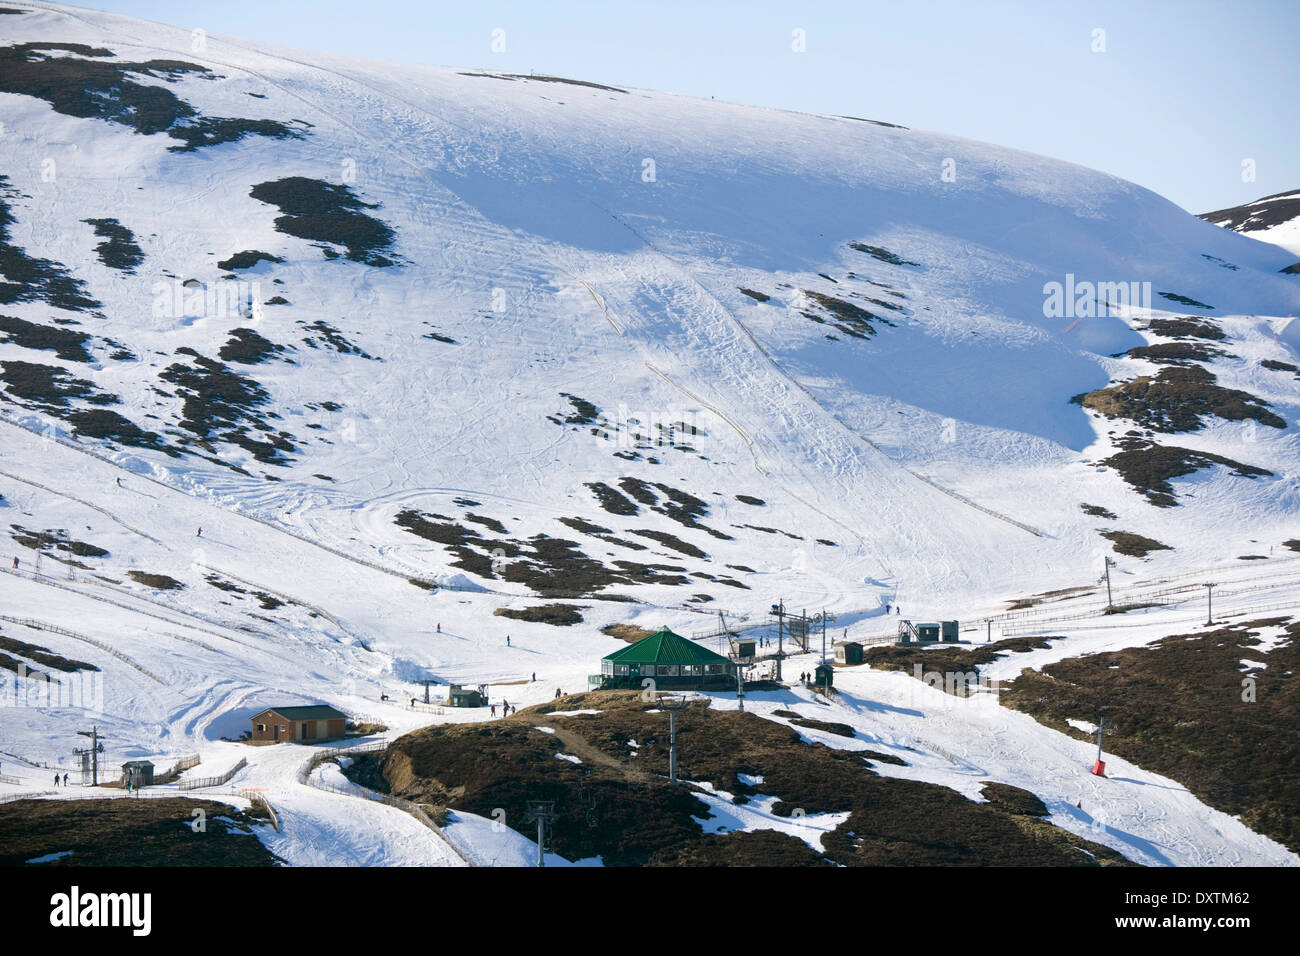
(543, 811)
(94, 751)
(824, 617)
(1110, 605)
(673, 710)
(1209, 598)
(778, 610)
(426, 684)
(988, 635)
(740, 688)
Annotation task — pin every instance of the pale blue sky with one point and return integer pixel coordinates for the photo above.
(1182, 94)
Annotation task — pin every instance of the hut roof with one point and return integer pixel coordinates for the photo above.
(665, 647)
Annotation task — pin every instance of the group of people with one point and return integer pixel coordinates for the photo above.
(506, 709)
(56, 779)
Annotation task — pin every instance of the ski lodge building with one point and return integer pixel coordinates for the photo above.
(668, 659)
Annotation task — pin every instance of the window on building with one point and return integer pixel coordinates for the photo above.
(261, 728)
(667, 670)
(621, 670)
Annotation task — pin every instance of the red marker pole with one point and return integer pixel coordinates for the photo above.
(1099, 767)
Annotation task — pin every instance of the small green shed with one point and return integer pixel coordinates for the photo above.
(138, 773)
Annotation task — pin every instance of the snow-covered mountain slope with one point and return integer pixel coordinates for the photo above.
(1274, 219)
(375, 327)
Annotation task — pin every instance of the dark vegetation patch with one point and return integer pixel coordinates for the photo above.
(621, 808)
(1035, 600)
(87, 84)
(539, 78)
(559, 615)
(1276, 366)
(268, 602)
(160, 582)
(751, 500)
(1175, 400)
(680, 506)
(328, 213)
(850, 319)
(1187, 327)
(248, 348)
(119, 249)
(1258, 214)
(43, 656)
(49, 384)
(884, 255)
(55, 539)
(1097, 511)
(552, 567)
(611, 500)
(110, 426)
(246, 260)
(1176, 353)
(1241, 756)
(765, 848)
(67, 344)
(949, 659)
(1293, 544)
(439, 337)
(220, 405)
(1184, 300)
(1148, 468)
(1014, 799)
(825, 726)
(153, 833)
(492, 524)
(1133, 545)
(584, 526)
(27, 279)
(277, 300)
(756, 296)
(626, 632)
(671, 541)
(584, 412)
(332, 338)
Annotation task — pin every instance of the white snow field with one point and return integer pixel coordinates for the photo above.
(558, 248)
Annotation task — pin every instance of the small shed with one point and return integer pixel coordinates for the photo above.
(299, 724)
(824, 675)
(458, 696)
(850, 652)
(138, 773)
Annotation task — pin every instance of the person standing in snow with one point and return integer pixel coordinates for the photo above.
(65, 779)
(507, 640)
(505, 708)
(439, 629)
(56, 779)
(200, 534)
(15, 564)
(534, 677)
(494, 710)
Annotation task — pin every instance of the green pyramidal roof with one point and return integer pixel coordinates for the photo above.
(665, 647)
